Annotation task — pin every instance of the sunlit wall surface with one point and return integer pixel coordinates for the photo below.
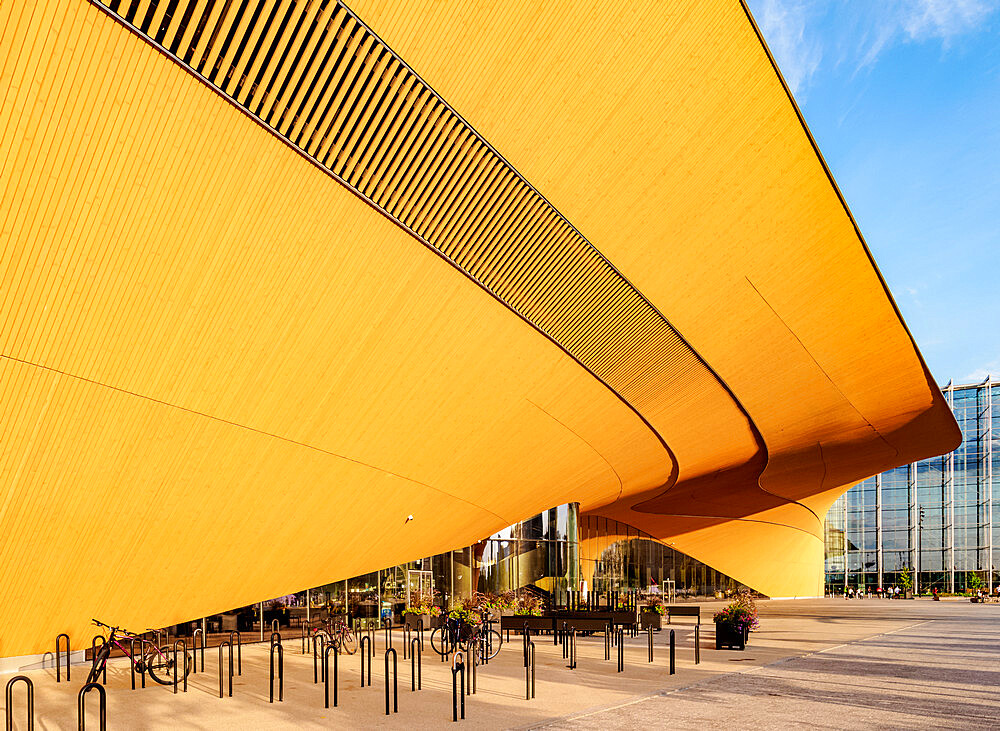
(948, 506)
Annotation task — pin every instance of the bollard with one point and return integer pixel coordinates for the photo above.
(697, 645)
(364, 654)
(141, 664)
(416, 678)
(529, 673)
(93, 657)
(179, 669)
(281, 672)
(195, 646)
(649, 631)
(607, 642)
(230, 646)
(671, 652)
(58, 655)
(457, 672)
(9, 698)
(326, 674)
(319, 643)
(395, 695)
(572, 648)
(621, 650)
(81, 705)
(239, 650)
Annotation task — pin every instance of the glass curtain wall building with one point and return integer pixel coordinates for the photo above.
(946, 506)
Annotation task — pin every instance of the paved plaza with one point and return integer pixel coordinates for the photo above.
(818, 664)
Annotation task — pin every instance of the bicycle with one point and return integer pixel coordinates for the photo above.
(152, 659)
(338, 634)
(459, 634)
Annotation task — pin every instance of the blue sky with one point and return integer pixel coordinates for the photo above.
(903, 97)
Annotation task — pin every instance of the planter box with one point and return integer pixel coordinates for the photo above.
(417, 621)
(651, 619)
(728, 636)
(435, 622)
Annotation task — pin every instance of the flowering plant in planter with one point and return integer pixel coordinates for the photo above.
(735, 616)
(528, 606)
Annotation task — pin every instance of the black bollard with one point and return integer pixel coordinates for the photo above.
(364, 654)
(529, 673)
(281, 672)
(238, 644)
(672, 652)
(572, 648)
(416, 678)
(326, 674)
(457, 673)
(395, 697)
(81, 705)
(230, 646)
(9, 698)
(649, 631)
(621, 650)
(58, 655)
(179, 669)
(697, 644)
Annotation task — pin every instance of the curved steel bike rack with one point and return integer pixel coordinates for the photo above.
(326, 674)
(182, 668)
(319, 645)
(395, 693)
(81, 705)
(457, 674)
(274, 636)
(93, 656)
(230, 646)
(416, 669)
(281, 672)
(9, 700)
(529, 672)
(199, 633)
(142, 661)
(369, 655)
(59, 655)
(571, 642)
(238, 642)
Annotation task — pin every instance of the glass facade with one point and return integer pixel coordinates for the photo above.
(936, 518)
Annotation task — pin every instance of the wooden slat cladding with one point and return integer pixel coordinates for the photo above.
(316, 75)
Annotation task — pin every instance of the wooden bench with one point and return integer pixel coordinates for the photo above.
(683, 610)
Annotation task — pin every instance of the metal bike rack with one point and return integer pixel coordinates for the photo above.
(239, 650)
(395, 694)
(416, 669)
(457, 674)
(671, 652)
(275, 626)
(326, 674)
(697, 645)
(180, 669)
(387, 626)
(93, 656)
(607, 641)
(571, 641)
(649, 631)
(59, 655)
(281, 672)
(525, 639)
(370, 657)
(81, 705)
(319, 646)
(562, 640)
(304, 636)
(199, 633)
(470, 670)
(621, 650)
(9, 701)
(529, 672)
(275, 636)
(142, 661)
(407, 633)
(230, 646)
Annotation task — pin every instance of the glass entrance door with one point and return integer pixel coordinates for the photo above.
(420, 587)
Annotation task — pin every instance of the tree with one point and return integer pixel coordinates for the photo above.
(973, 581)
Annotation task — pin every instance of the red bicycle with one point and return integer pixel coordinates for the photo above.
(148, 657)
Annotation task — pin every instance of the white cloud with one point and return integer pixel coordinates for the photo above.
(979, 375)
(944, 18)
(783, 23)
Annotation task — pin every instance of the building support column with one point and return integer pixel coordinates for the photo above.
(879, 562)
(949, 491)
(988, 472)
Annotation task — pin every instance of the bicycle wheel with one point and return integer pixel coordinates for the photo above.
(440, 641)
(98, 665)
(489, 644)
(160, 666)
(348, 642)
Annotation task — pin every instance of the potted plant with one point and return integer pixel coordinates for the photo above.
(528, 606)
(907, 583)
(417, 617)
(732, 627)
(652, 613)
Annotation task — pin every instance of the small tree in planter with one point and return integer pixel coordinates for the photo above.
(906, 581)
